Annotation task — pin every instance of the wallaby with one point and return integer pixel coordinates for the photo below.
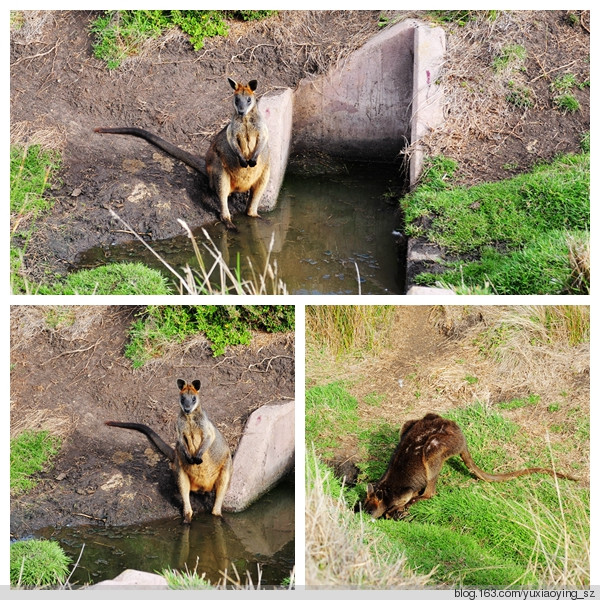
(201, 459)
(412, 473)
(237, 159)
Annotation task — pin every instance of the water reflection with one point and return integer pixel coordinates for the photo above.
(332, 235)
(261, 535)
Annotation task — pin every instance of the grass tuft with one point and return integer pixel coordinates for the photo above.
(37, 563)
(30, 452)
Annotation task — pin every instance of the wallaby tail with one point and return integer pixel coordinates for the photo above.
(467, 458)
(189, 159)
(152, 436)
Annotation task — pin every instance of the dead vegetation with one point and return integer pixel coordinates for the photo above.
(513, 135)
(337, 553)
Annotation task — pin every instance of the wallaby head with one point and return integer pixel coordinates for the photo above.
(188, 397)
(379, 501)
(243, 99)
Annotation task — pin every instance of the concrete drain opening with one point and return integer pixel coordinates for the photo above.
(374, 107)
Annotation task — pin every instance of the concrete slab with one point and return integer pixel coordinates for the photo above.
(417, 290)
(263, 456)
(276, 108)
(133, 579)
(428, 95)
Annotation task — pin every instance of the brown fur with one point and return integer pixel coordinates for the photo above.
(425, 444)
(201, 459)
(237, 159)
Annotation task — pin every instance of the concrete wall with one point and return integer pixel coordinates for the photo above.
(277, 110)
(362, 109)
(264, 455)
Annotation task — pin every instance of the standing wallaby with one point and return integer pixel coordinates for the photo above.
(201, 459)
(237, 159)
(412, 473)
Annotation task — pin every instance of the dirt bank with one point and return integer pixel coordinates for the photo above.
(71, 377)
(60, 93)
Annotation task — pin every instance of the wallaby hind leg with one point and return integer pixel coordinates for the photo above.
(258, 190)
(221, 486)
(221, 184)
(183, 483)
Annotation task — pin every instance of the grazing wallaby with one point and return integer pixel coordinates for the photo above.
(237, 159)
(201, 459)
(412, 473)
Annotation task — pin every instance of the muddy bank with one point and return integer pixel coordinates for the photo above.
(71, 379)
(60, 93)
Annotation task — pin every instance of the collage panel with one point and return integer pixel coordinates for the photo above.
(157, 440)
(447, 447)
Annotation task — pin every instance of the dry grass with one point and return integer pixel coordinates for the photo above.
(56, 423)
(27, 26)
(338, 555)
(475, 106)
(300, 33)
(67, 322)
(561, 554)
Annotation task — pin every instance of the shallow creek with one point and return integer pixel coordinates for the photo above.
(262, 535)
(333, 234)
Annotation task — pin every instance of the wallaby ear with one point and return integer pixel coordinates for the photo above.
(232, 83)
(196, 384)
(180, 384)
(369, 488)
(253, 84)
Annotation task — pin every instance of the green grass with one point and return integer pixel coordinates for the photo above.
(330, 416)
(159, 326)
(32, 171)
(178, 580)
(532, 399)
(115, 279)
(514, 235)
(519, 96)
(567, 103)
(462, 17)
(37, 563)
(30, 452)
(472, 533)
(510, 57)
(119, 34)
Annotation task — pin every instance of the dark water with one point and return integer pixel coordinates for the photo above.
(332, 235)
(261, 535)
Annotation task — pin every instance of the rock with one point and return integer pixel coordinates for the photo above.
(416, 290)
(136, 579)
(264, 455)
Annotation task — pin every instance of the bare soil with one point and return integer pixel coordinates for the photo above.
(69, 378)
(60, 93)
